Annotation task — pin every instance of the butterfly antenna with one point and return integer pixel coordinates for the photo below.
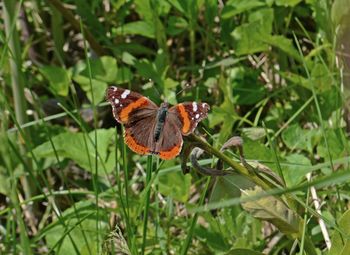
(187, 86)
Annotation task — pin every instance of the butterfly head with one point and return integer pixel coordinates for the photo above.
(164, 105)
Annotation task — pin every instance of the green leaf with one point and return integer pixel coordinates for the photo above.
(148, 70)
(272, 210)
(321, 78)
(247, 90)
(176, 25)
(98, 88)
(287, 3)
(295, 137)
(341, 244)
(72, 146)
(175, 185)
(124, 75)
(243, 252)
(335, 142)
(254, 133)
(340, 11)
(226, 187)
(295, 172)
(249, 36)
(81, 224)
(103, 70)
(258, 151)
(5, 186)
(58, 77)
(235, 7)
(213, 239)
(283, 44)
(136, 28)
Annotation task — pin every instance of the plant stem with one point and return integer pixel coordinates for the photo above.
(146, 211)
(17, 83)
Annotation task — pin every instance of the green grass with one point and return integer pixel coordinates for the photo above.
(273, 72)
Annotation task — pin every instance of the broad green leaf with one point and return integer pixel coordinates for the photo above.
(330, 101)
(235, 7)
(248, 90)
(175, 185)
(228, 187)
(5, 182)
(58, 77)
(336, 146)
(72, 146)
(176, 25)
(295, 171)
(87, 13)
(148, 70)
(136, 28)
(248, 39)
(255, 150)
(249, 36)
(286, 3)
(340, 11)
(243, 252)
(214, 240)
(272, 210)
(295, 137)
(124, 75)
(211, 11)
(103, 70)
(321, 78)
(283, 44)
(81, 224)
(147, 8)
(98, 90)
(341, 244)
(254, 133)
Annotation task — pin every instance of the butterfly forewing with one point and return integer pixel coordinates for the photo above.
(124, 102)
(189, 114)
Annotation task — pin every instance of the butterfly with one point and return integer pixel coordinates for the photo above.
(150, 129)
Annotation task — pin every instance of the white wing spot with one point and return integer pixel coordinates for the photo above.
(116, 101)
(120, 105)
(197, 116)
(115, 89)
(195, 107)
(125, 93)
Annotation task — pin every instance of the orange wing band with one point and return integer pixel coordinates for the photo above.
(124, 114)
(186, 120)
(170, 154)
(134, 146)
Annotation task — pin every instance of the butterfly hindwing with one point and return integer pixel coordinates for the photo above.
(170, 141)
(189, 115)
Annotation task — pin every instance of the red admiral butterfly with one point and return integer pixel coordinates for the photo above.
(150, 129)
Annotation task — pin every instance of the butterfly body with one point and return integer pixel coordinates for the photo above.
(150, 129)
(161, 117)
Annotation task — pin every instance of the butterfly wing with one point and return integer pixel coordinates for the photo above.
(170, 140)
(124, 102)
(189, 114)
(138, 134)
(138, 114)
